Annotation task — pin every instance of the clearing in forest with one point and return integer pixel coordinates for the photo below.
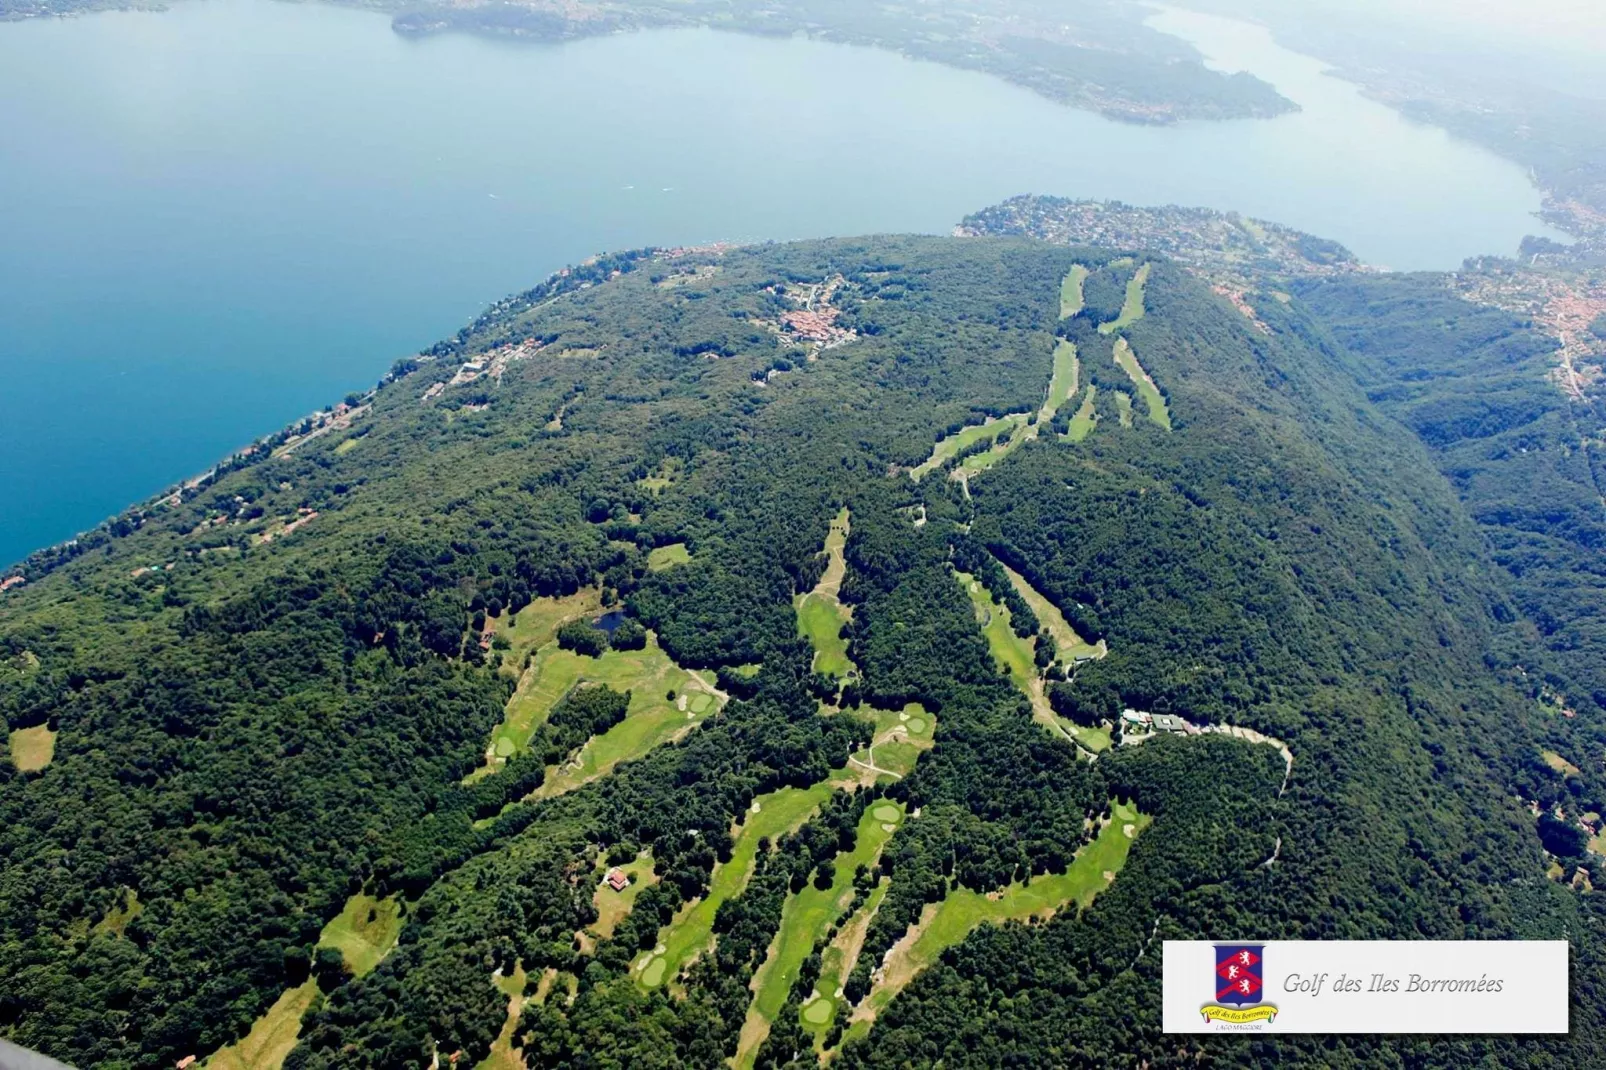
(836, 964)
(613, 907)
(1018, 657)
(1132, 309)
(1071, 291)
(1063, 383)
(950, 446)
(944, 924)
(364, 932)
(1558, 763)
(1086, 417)
(271, 1036)
(690, 931)
(651, 720)
(804, 920)
(32, 749)
(1123, 407)
(503, 1055)
(536, 624)
(648, 674)
(821, 614)
(660, 558)
(1128, 362)
(1071, 646)
(899, 738)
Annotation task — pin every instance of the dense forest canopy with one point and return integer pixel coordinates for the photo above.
(273, 691)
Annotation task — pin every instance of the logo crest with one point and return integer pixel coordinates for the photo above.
(1238, 983)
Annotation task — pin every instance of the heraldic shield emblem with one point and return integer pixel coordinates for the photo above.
(1238, 984)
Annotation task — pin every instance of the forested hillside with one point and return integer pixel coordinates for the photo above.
(478, 725)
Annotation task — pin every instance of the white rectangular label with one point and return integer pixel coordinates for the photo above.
(1366, 986)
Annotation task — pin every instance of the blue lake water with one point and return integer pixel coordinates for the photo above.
(216, 218)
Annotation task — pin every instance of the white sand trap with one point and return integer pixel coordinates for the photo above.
(756, 808)
(680, 703)
(1109, 875)
(1129, 830)
(903, 716)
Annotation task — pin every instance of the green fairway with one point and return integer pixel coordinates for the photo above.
(1012, 653)
(271, 1036)
(1095, 740)
(1123, 406)
(503, 1055)
(1132, 310)
(945, 924)
(650, 722)
(1086, 417)
(648, 674)
(32, 749)
(900, 737)
(820, 619)
(1071, 645)
(692, 929)
(949, 447)
(666, 557)
(821, 615)
(1071, 291)
(534, 626)
(1063, 383)
(361, 940)
(364, 931)
(837, 962)
(1128, 362)
(804, 919)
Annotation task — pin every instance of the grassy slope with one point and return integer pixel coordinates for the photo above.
(1086, 417)
(32, 748)
(1128, 362)
(805, 918)
(272, 1036)
(1071, 291)
(688, 934)
(1133, 309)
(947, 923)
(821, 615)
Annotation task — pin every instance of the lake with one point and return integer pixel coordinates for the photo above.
(220, 217)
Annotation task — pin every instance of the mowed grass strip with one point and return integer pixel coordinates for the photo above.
(837, 962)
(660, 558)
(1128, 362)
(1062, 386)
(32, 749)
(944, 924)
(1086, 417)
(777, 814)
(804, 920)
(1132, 308)
(947, 448)
(1071, 290)
(503, 1055)
(651, 720)
(365, 930)
(821, 620)
(1071, 645)
(271, 1036)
